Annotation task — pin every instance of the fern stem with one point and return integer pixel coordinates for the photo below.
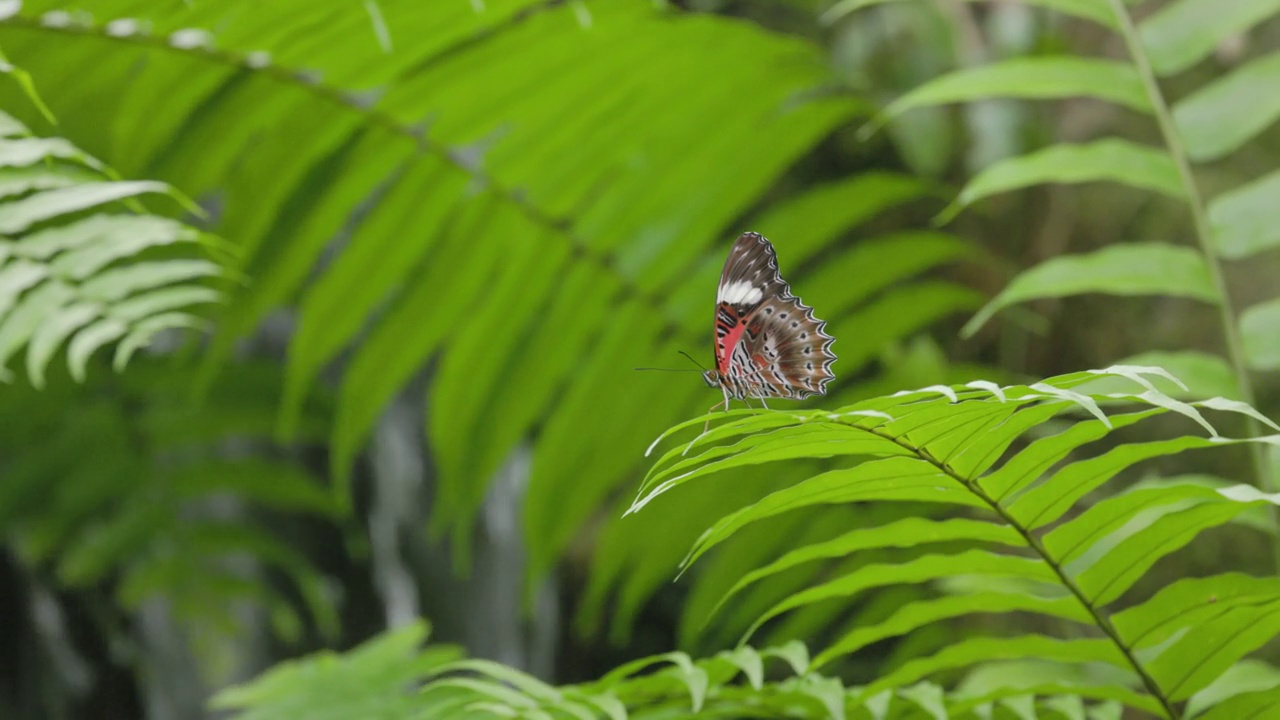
(1103, 622)
(1099, 619)
(1200, 218)
(1204, 236)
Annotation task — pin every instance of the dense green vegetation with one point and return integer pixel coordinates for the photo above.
(318, 322)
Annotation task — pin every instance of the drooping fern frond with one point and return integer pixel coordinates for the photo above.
(417, 205)
(1018, 519)
(81, 263)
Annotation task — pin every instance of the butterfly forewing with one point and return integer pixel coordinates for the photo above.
(768, 342)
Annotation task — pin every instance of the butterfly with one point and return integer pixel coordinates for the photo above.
(768, 343)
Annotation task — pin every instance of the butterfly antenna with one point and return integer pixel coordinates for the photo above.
(695, 362)
(667, 369)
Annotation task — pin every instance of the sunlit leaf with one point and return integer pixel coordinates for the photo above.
(1255, 704)
(1205, 375)
(968, 652)
(903, 533)
(22, 214)
(1107, 578)
(918, 614)
(921, 569)
(52, 332)
(1245, 677)
(1027, 466)
(1189, 603)
(891, 478)
(1193, 661)
(26, 151)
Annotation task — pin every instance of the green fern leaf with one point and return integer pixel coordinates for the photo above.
(1240, 218)
(1257, 329)
(1224, 115)
(1032, 78)
(956, 442)
(1110, 160)
(1130, 269)
(69, 271)
(1185, 32)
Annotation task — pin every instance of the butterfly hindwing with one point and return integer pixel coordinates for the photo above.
(768, 342)
(791, 350)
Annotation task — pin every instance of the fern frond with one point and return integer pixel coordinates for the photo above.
(390, 676)
(1218, 118)
(514, 241)
(71, 263)
(158, 500)
(962, 447)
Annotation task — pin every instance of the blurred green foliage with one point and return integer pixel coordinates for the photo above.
(450, 229)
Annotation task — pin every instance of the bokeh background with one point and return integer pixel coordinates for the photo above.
(449, 231)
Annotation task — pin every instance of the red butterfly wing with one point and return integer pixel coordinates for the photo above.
(750, 276)
(768, 342)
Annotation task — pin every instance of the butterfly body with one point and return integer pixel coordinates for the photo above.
(768, 342)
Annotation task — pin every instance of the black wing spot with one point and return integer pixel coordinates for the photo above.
(808, 366)
(768, 311)
(804, 336)
(783, 316)
(807, 350)
(795, 324)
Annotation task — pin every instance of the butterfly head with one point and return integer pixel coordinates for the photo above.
(712, 377)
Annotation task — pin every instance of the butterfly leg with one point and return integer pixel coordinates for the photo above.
(707, 424)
